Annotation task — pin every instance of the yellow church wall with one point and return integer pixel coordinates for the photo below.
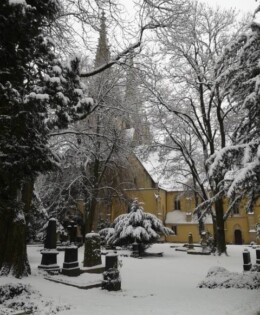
(140, 177)
(152, 200)
(118, 207)
(149, 199)
(183, 231)
(187, 202)
(257, 211)
(237, 223)
(159, 202)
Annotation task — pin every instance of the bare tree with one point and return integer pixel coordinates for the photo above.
(188, 92)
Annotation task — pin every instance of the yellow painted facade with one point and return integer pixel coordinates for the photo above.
(239, 228)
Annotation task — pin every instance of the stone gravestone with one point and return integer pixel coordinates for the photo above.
(247, 265)
(111, 276)
(49, 253)
(135, 250)
(73, 232)
(203, 242)
(190, 241)
(111, 261)
(92, 255)
(257, 251)
(71, 264)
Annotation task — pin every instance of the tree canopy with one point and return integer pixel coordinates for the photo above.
(37, 93)
(239, 161)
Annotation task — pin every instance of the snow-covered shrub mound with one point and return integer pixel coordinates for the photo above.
(135, 226)
(23, 297)
(219, 277)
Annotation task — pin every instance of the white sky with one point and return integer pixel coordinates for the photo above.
(241, 5)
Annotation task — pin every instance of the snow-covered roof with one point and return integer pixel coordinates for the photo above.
(175, 216)
(179, 217)
(163, 168)
(17, 2)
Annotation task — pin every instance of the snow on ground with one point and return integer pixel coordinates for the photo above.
(154, 285)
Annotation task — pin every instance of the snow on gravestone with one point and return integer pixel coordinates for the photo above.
(111, 277)
(92, 256)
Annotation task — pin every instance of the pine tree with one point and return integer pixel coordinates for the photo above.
(135, 226)
(36, 94)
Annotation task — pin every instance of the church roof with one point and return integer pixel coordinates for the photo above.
(163, 169)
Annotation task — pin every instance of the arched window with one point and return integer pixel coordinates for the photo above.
(177, 204)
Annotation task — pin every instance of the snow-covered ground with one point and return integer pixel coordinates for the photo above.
(154, 285)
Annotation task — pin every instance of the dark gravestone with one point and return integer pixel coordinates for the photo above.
(111, 261)
(73, 232)
(257, 255)
(246, 260)
(135, 250)
(49, 253)
(71, 264)
(92, 255)
(51, 236)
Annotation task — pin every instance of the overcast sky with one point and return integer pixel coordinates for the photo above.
(242, 5)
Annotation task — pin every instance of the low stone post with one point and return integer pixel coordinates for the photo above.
(257, 255)
(92, 256)
(135, 250)
(190, 241)
(49, 253)
(111, 276)
(246, 260)
(203, 241)
(71, 264)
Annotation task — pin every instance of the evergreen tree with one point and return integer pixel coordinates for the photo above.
(135, 226)
(36, 94)
(239, 162)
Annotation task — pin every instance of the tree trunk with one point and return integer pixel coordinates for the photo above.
(220, 229)
(201, 223)
(91, 209)
(13, 252)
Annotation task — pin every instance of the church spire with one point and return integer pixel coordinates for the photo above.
(102, 53)
(133, 99)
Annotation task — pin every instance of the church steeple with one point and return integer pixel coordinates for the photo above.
(133, 100)
(102, 53)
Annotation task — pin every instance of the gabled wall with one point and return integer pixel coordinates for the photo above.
(160, 202)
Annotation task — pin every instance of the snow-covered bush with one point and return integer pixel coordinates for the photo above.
(23, 297)
(135, 226)
(219, 277)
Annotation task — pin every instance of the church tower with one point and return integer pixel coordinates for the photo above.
(136, 117)
(103, 52)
